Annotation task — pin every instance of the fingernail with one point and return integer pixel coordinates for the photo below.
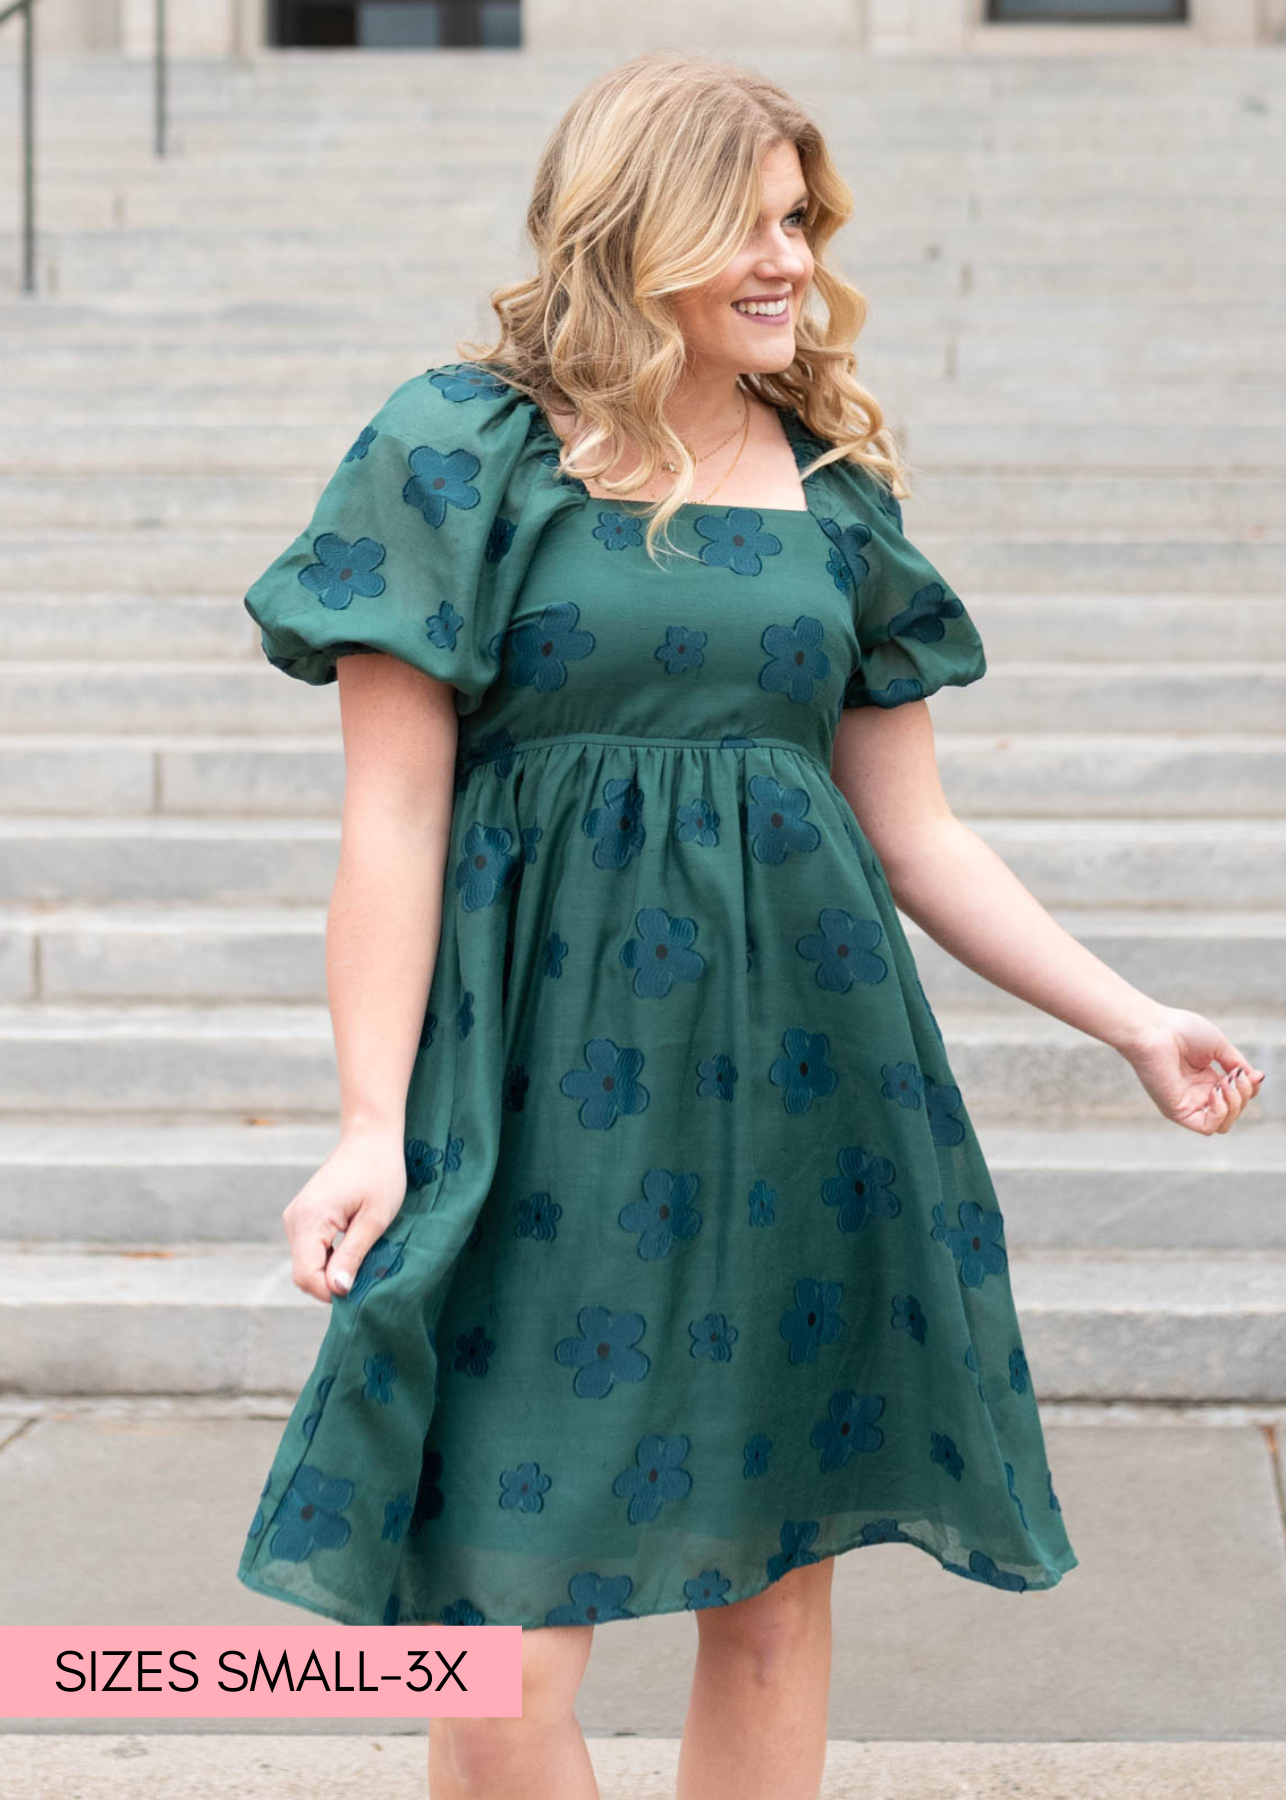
(343, 1279)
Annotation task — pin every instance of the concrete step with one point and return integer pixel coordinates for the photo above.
(1145, 1186)
(273, 1060)
(228, 1319)
(165, 561)
(291, 858)
(1217, 960)
(50, 1765)
(255, 760)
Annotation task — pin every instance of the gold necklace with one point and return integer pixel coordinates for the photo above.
(672, 468)
(745, 433)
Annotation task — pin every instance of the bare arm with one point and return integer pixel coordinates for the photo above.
(382, 934)
(968, 899)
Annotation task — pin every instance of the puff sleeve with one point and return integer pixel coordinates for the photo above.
(408, 549)
(914, 634)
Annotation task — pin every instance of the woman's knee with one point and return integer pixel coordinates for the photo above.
(773, 1627)
(482, 1751)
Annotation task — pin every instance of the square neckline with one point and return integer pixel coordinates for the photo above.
(790, 425)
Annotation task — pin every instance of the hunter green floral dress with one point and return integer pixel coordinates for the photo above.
(700, 1275)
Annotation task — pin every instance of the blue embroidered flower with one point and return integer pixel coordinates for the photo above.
(499, 538)
(608, 1085)
(716, 1077)
(862, 1188)
(556, 949)
(461, 1612)
(883, 1531)
(487, 863)
(656, 1476)
(538, 1217)
(909, 1316)
(849, 1429)
(421, 1163)
(604, 1352)
(940, 1101)
(1054, 1501)
(850, 541)
(324, 1386)
(1019, 1373)
(706, 1589)
(945, 1452)
(662, 953)
(365, 438)
(796, 660)
(813, 1320)
(539, 651)
(467, 381)
(923, 618)
(616, 827)
(513, 1087)
(618, 531)
(452, 1159)
(802, 1071)
(384, 1258)
(311, 1515)
(397, 1514)
(682, 649)
(464, 1014)
(976, 1245)
(982, 1568)
(343, 569)
(381, 1372)
(427, 1029)
(842, 948)
(443, 626)
(438, 481)
(775, 820)
(794, 1537)
(755, 1453)
(736, 540)
(594, 1599)
(696, 822)
(472, 1351)
(763, 1204)
(665, 1214)
(1009, 1477)
(904, 1083)
(893, 693)
(531, 836)
(713, 1336)
(524, 1487)
(429, 1498)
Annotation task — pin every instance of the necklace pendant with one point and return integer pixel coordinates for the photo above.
(671, 467)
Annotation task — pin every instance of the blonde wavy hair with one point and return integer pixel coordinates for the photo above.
(650, 184)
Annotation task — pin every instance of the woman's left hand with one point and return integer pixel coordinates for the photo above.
(1173, 1061)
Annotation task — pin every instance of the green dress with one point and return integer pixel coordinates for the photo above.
(700, 1274)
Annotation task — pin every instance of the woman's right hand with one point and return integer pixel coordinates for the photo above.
(358, 1190)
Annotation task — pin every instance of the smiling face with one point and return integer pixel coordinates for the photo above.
(774, 264)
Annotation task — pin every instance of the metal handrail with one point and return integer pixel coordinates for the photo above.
(28, 144)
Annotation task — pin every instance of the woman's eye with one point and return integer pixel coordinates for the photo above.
(799, 215)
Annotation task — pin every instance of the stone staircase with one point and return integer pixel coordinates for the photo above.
(1074, 272)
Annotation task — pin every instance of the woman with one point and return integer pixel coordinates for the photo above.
(670, 1264)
